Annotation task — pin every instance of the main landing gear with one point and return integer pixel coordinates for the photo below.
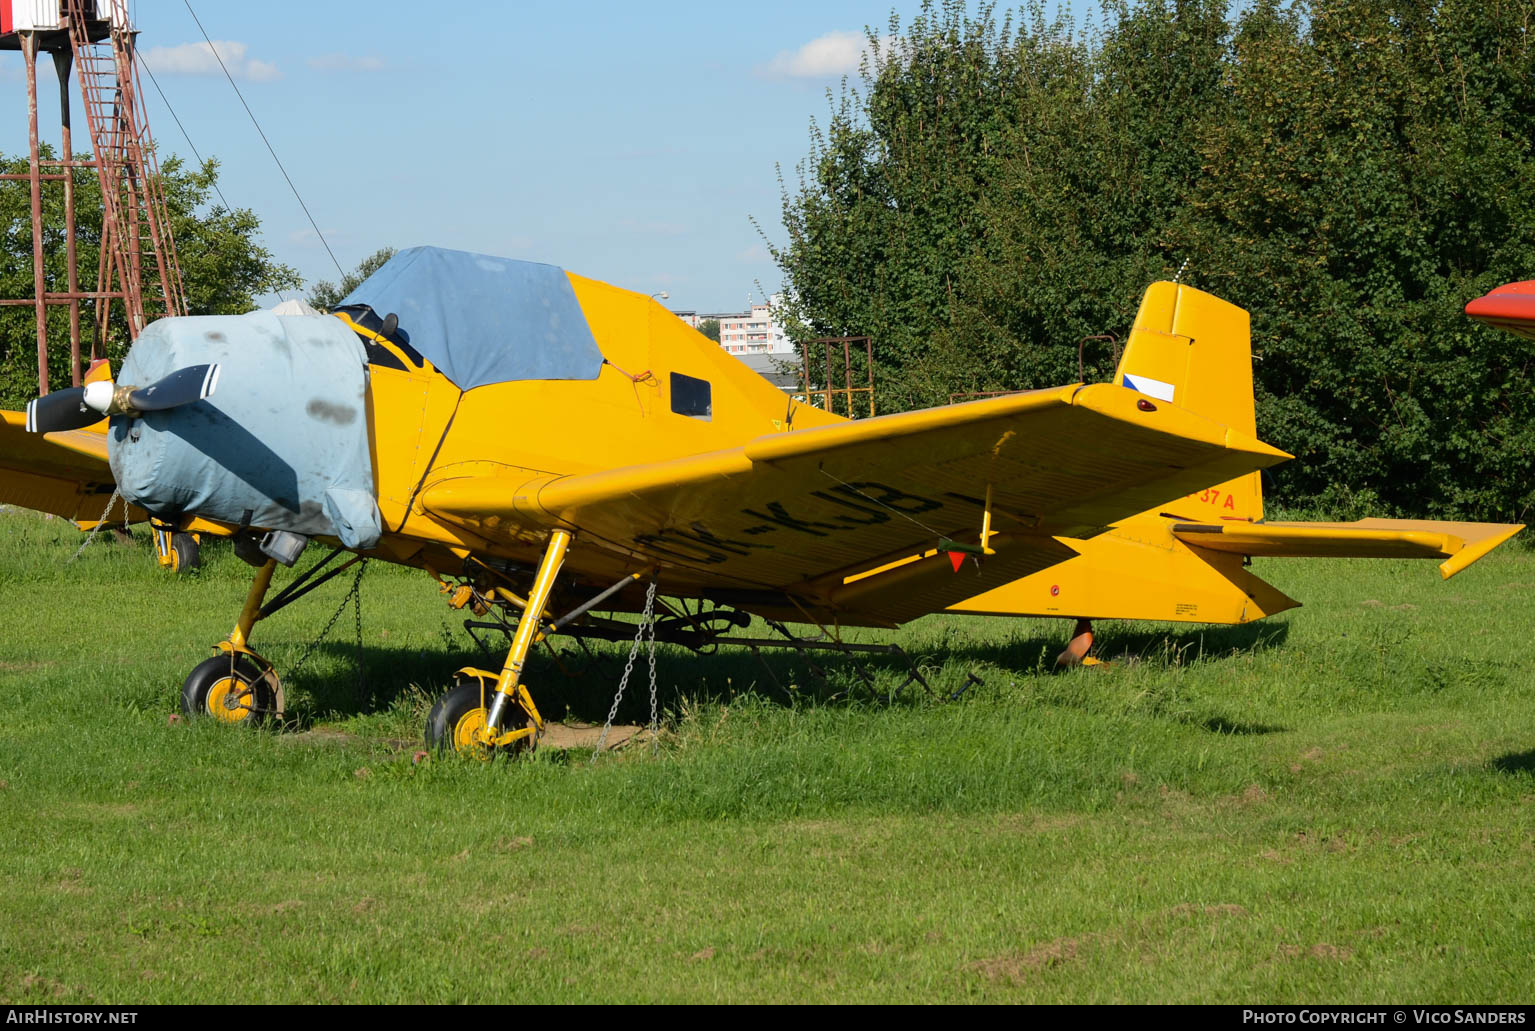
(231, 689)
(488, 711)
(237, 685)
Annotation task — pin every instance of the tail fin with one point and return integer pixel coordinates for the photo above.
(1194, 350)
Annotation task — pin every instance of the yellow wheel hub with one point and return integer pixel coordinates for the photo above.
(230, 700)
(468, 734)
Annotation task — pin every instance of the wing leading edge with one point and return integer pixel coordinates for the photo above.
(65, 474)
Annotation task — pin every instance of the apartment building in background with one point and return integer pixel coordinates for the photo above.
(754, 331)
(756, 338)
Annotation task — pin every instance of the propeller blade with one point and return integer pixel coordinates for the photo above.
(61, 410)
(181, 387)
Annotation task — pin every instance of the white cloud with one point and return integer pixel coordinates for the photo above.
(756, 252)
(200, 59)
(306, 237)
(346, 63)
(836, 53)
(653, 228)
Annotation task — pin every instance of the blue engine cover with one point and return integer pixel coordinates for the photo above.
(283, 441)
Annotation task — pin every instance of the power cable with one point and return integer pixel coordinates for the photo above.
(314, 225)
(176, 118)
(188, 137)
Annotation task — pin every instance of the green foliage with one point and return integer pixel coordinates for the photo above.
(711, 329)
(1350, 172)
(223, 265)
(326, 295)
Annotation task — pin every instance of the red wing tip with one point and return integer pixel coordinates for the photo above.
(1512, 301)
(1525, 286)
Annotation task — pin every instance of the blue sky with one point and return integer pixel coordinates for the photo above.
(627, 142)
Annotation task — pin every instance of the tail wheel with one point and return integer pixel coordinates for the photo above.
(237, 693)
(185, 554)
(459, 716)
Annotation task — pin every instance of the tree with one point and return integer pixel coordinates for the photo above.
(887, 207)
(711, 329)
(1351, 171)
(326, 295)
(223, 265)
(1373, 173)
(980, 206)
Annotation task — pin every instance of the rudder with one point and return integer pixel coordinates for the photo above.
(1194, 350)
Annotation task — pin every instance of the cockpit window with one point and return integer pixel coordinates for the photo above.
(390, 350)
(691, 397)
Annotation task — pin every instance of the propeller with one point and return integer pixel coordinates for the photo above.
(75, 408)
(181, 387)
(60, 410)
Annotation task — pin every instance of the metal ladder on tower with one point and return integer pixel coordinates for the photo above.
(138, 249)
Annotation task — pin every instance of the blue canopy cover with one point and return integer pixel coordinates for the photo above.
(484, 320)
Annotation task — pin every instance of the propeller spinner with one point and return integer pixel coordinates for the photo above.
(78, 407)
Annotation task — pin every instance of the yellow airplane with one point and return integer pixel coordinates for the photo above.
(543, 445)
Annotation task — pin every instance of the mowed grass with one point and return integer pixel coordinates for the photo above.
(1333, 805)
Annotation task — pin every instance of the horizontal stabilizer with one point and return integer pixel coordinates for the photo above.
(1459, 544)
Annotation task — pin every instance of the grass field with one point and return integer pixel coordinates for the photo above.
(1334, 805)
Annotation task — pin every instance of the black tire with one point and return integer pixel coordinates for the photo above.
(240, 696)
(185, 554)
(457, 715)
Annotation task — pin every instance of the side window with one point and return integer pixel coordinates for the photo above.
(691, 397)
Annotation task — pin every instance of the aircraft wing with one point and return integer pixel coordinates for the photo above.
(62, 473)
(1459, 544)
(808, 509)
(1510, 307)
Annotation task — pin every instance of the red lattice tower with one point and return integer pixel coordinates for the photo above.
(137, 262)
